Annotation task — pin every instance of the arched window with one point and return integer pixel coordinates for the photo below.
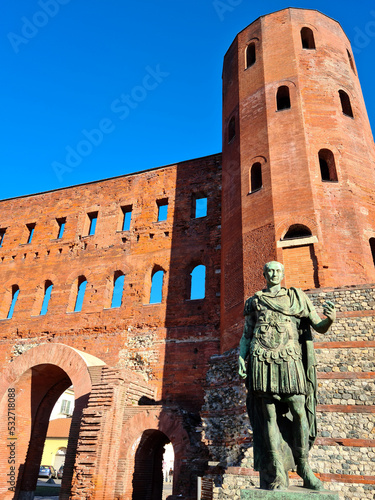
(82, 282)
(345, 103)
(307, 38)
(256, 177)
(351, 61)
(372, 247)
(231, 129)
(47, 295)
(15, 293)
(250, 55)
(283, 98)
(156, 294)
(118, 288)
(198, 282)
(327, 166)
(297, 231)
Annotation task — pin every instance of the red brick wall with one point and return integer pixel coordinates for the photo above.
(340, 215)
(163, 341)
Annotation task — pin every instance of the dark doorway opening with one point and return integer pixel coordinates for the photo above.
(148, 468)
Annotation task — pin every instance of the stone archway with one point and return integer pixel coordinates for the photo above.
(145, 431)
(148, 473)
(29, 387)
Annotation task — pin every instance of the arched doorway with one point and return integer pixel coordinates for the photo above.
(148, 466)
(34, 381)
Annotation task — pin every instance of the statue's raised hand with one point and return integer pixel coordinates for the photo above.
(329, 310)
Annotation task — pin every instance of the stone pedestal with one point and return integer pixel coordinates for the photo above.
(293, 493)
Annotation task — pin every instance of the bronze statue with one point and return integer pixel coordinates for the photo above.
(281, 378)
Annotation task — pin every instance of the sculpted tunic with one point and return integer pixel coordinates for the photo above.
(274, 326)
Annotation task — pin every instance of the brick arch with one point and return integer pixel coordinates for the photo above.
(37, 378)
(89, 275)
(284, 225)
(161, 427)
(6, 285)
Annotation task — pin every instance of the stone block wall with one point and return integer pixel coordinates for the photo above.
(344, 452)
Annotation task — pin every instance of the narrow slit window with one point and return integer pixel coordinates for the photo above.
(30, 228)
(256, 177)
(93, 217)
(2, 234)
(198, 282)
(372, 247)
(47, 296)
(345, 104)
(327, 166)
(351, 62)
(127, 217)
(156, 294)
(307, 38)
(61, 223)
(82, 283)
(118, 289)
(162, 209)
(231, 129)
(200, 209)
(15, 293)
(283, 98)
(250, 55)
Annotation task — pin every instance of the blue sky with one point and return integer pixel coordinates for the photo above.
(69, 65)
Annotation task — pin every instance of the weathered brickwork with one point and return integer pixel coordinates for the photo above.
(175, 245)
(145, 374)
(335, 214)
(166, 344)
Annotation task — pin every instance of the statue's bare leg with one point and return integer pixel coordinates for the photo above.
(272, 436)
(301, 428)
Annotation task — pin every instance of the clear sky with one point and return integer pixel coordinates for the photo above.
(69, 65)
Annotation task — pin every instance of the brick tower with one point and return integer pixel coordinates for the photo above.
(298, 161)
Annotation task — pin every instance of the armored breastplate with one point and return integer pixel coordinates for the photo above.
(275, 337)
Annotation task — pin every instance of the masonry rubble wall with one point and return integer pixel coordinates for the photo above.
(344, 452)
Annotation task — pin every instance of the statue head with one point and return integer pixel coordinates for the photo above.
(273, 272)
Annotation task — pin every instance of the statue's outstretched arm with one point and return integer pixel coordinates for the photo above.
(322, 325)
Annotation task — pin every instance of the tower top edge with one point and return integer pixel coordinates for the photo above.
(281, 10)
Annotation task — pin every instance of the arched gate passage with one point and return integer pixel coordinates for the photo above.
(148, 473)
(29, 387)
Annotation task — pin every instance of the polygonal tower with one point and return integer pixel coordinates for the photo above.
(298, 161)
